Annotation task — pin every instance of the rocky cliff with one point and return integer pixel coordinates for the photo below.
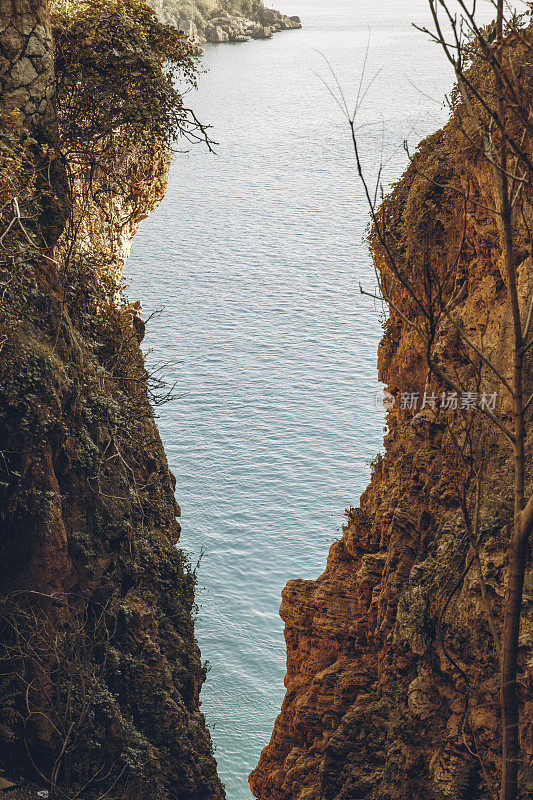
(219, 22)
(392, 676)
(100, 672)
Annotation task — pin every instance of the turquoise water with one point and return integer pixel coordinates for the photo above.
(256, 256)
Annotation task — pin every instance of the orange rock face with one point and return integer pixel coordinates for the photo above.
(392, 679)
(100, 672)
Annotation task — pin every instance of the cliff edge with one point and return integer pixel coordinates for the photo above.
(392, 676)
(220, 21)
(100, 672)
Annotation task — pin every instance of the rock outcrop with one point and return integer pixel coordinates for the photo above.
(100, 672)
(392, 679)
(219, 25)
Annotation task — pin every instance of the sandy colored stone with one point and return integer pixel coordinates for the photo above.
(35, 47)
(15, 99)
(23, 73)
(11, 41)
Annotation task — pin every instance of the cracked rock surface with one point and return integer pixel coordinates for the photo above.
(26, 61)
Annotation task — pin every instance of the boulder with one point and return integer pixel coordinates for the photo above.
(12, 42)
(23, 73)
(262, 33)
(268, 16)
(277, 21)
(239, 26)
(214, 33)
(290, 23)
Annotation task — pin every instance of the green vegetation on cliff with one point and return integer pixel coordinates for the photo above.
(100, 672)
(223, 20)
(202, 10)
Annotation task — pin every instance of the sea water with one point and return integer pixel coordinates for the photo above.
(256, 258)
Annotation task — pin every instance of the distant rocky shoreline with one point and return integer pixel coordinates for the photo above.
(223, 26)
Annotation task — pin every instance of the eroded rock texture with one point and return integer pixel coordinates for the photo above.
(100, 672)
(215, 23)
(392, 679)
(26, 60)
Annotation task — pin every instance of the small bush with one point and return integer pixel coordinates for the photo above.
(117, 69)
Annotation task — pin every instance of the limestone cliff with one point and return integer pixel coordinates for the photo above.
(100, 672)
(220, 21)
(392, 678)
